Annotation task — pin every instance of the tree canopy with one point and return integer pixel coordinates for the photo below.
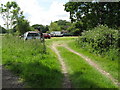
(93, 14)
(54, 27)
(44, 28)
(10, 13)
(13, 18)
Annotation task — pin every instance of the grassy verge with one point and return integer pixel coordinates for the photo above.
(108, 65)
(28, 60)
(83, 75)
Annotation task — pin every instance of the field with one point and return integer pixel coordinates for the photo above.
(41, 69)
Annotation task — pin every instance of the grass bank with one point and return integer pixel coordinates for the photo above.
(28, 60)
(82, 75)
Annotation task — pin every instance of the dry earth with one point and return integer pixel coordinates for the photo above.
(9, 80)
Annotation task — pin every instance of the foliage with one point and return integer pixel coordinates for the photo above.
(10, 12)
(22, 26)
(67, 27)
(28, 60)
(94, 13)
(63, 24)
(14, 19)
(75, 28)
(43, 28)
(99, 40)
(54, 27)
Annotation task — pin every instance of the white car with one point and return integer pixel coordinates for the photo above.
(32, 35)
(56, 34)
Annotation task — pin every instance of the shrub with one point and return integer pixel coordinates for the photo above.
(99, 40)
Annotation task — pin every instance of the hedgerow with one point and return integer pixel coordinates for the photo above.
(100, 40)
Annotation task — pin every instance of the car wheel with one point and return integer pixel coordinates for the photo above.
(26, 39)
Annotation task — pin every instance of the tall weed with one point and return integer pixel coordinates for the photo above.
(28, 60)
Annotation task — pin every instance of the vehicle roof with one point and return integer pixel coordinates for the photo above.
(56, 31)
(33, 31)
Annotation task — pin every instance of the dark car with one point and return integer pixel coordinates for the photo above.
(46, 35)
(67, 34)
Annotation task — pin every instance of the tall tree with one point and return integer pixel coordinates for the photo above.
(76, 28)
(10, 13)
(22, 26)
(54, 27)
(14, 19)
(43, 28)
(63, 24)
(94, 13)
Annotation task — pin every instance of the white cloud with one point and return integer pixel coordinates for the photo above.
(37, 14)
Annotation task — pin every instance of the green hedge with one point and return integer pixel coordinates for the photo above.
(100, 40)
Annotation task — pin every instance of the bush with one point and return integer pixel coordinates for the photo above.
(99, 40)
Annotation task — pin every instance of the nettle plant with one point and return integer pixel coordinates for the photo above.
(100, 39)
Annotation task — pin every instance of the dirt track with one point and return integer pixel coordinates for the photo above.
(64, 69)
(66, 81)
(94, 65)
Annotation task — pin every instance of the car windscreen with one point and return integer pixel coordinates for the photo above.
(33, 34)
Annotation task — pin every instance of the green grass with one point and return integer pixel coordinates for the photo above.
(38, 69)
(108, 65)
(83, 75)
(28, 60)
(59, 40)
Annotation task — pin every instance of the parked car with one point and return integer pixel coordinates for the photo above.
(32, 35)
(46, 35)
(56, 34)
(67, 34)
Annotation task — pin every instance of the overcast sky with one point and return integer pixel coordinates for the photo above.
(41, 11)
